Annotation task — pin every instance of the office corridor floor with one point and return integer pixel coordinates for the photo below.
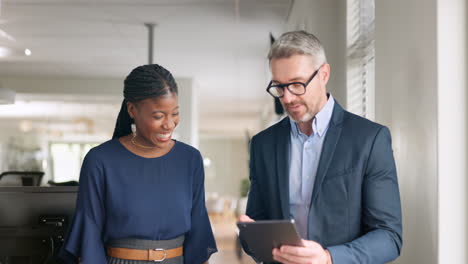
(224, 228)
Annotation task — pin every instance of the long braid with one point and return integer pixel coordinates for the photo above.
(123, 123)
(147, 81)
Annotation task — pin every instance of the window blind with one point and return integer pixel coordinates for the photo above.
(360, 74)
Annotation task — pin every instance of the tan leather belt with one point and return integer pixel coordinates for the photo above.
(156, 255)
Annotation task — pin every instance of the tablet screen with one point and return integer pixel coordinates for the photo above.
(260, 237)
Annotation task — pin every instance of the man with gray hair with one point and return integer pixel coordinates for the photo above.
(330, 170)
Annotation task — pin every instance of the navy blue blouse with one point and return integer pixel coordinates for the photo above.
(123, 195)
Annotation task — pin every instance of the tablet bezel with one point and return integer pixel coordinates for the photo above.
(260, 237)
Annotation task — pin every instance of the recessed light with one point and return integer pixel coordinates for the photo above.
(27, 52)
(207, 162)
(4, 52)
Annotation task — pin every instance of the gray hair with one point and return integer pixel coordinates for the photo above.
(298, 43)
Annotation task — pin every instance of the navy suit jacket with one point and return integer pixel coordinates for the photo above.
(355, 208)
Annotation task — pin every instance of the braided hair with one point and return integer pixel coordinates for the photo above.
(147, 81)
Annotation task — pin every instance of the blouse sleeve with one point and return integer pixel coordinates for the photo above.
(199, 241)
(84, 238)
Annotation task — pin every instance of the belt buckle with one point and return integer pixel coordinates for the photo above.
(165, 254)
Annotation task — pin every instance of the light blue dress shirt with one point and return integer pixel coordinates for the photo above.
(303, 162)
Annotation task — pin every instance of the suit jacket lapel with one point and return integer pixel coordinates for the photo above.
(282, 164)
(328, 148)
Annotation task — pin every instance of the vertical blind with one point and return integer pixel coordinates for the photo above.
(360, 73)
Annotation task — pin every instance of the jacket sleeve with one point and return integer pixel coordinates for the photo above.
(255, 206)
(381, 210)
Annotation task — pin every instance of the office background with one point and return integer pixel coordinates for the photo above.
(402, 63)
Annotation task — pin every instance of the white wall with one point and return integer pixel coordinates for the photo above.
(229, 157)
(326, 19)
(406, 101)
(62, 85)
(452, 130)
(188, 125)
(419, 64)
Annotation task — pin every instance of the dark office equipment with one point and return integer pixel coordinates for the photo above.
(66, 183)
(33, 223)
(28, 178)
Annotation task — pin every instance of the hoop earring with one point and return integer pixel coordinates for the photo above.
(134, 130)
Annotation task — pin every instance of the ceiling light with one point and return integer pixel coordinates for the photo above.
(4, 52)
(7, 36)
(7, 96)
(207, 162)
(10, 52)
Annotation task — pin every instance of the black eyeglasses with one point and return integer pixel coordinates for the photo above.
(296, 88)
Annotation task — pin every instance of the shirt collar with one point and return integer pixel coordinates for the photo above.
(320, 121)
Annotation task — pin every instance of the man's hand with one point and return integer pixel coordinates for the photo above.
(310, 253)
(245, 218)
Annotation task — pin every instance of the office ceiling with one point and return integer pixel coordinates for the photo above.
(221, 44)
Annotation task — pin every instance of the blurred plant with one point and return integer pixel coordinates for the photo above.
(244, 188)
